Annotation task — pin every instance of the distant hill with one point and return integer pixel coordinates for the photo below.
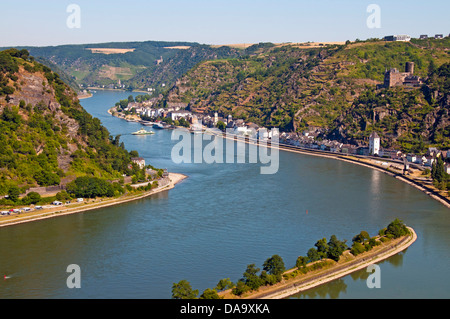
(47, 138)
(137, 65)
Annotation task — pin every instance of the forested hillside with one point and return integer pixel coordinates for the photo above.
(47, 138)
(333, 88)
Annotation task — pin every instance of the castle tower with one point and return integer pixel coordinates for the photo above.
(374, 144)
(409, 67)
(216, 118)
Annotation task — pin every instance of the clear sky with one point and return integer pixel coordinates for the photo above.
(44, 22)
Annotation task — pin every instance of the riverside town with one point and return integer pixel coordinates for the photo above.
(221, 160)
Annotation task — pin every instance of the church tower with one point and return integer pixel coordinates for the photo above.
(374, 144)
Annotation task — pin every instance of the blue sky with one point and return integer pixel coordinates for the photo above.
(26, 22)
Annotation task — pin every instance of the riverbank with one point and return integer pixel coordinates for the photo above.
(421, 184)
(173, 179)
(344, 267)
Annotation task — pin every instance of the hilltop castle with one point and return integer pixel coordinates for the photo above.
(393, 77)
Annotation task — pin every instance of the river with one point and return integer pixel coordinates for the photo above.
(219, 220)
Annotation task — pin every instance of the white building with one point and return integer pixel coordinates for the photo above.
(139, 161)
(176, 115)
(374, 144)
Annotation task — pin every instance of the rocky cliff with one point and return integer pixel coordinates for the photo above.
(47, 137)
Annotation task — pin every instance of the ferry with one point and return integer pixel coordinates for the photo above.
(143, 132)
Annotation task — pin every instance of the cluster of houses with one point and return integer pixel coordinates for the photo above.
(176, 112)
(308, 140)
(407, 38)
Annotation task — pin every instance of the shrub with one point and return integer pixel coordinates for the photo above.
(31, 198)
(240, 288)
(209, 294)
(357, 248)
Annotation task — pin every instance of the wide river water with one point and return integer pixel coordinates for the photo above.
(219, 220)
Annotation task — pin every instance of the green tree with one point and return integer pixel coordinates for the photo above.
(361, 237)
(221, 125)
(438, 173)
(63, 196)
(209, 294)
(14, 193)
(274, 265)
(183, 290)
(357, 248)
(240, 288)
(313, 255)
(269, 279)
(322, 247)
(224, 284)
(396, 229)
(251, 277)
(301, 262)
(336, 248)
(31, 198)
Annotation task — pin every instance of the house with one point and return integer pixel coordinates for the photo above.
(400, 37)
(176, 115)
(427, 161)
(411, 158)
(348, 149)
(423, 37)
(139, 161)
(362, 151)
(439, 36)
(447, 168)
(390, 153)
(263, 134)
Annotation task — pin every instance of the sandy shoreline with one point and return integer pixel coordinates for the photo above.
(174, 178)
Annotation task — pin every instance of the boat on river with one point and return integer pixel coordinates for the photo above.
(158, 126)
(143, 132)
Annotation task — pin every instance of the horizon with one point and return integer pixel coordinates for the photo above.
(215, 22)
